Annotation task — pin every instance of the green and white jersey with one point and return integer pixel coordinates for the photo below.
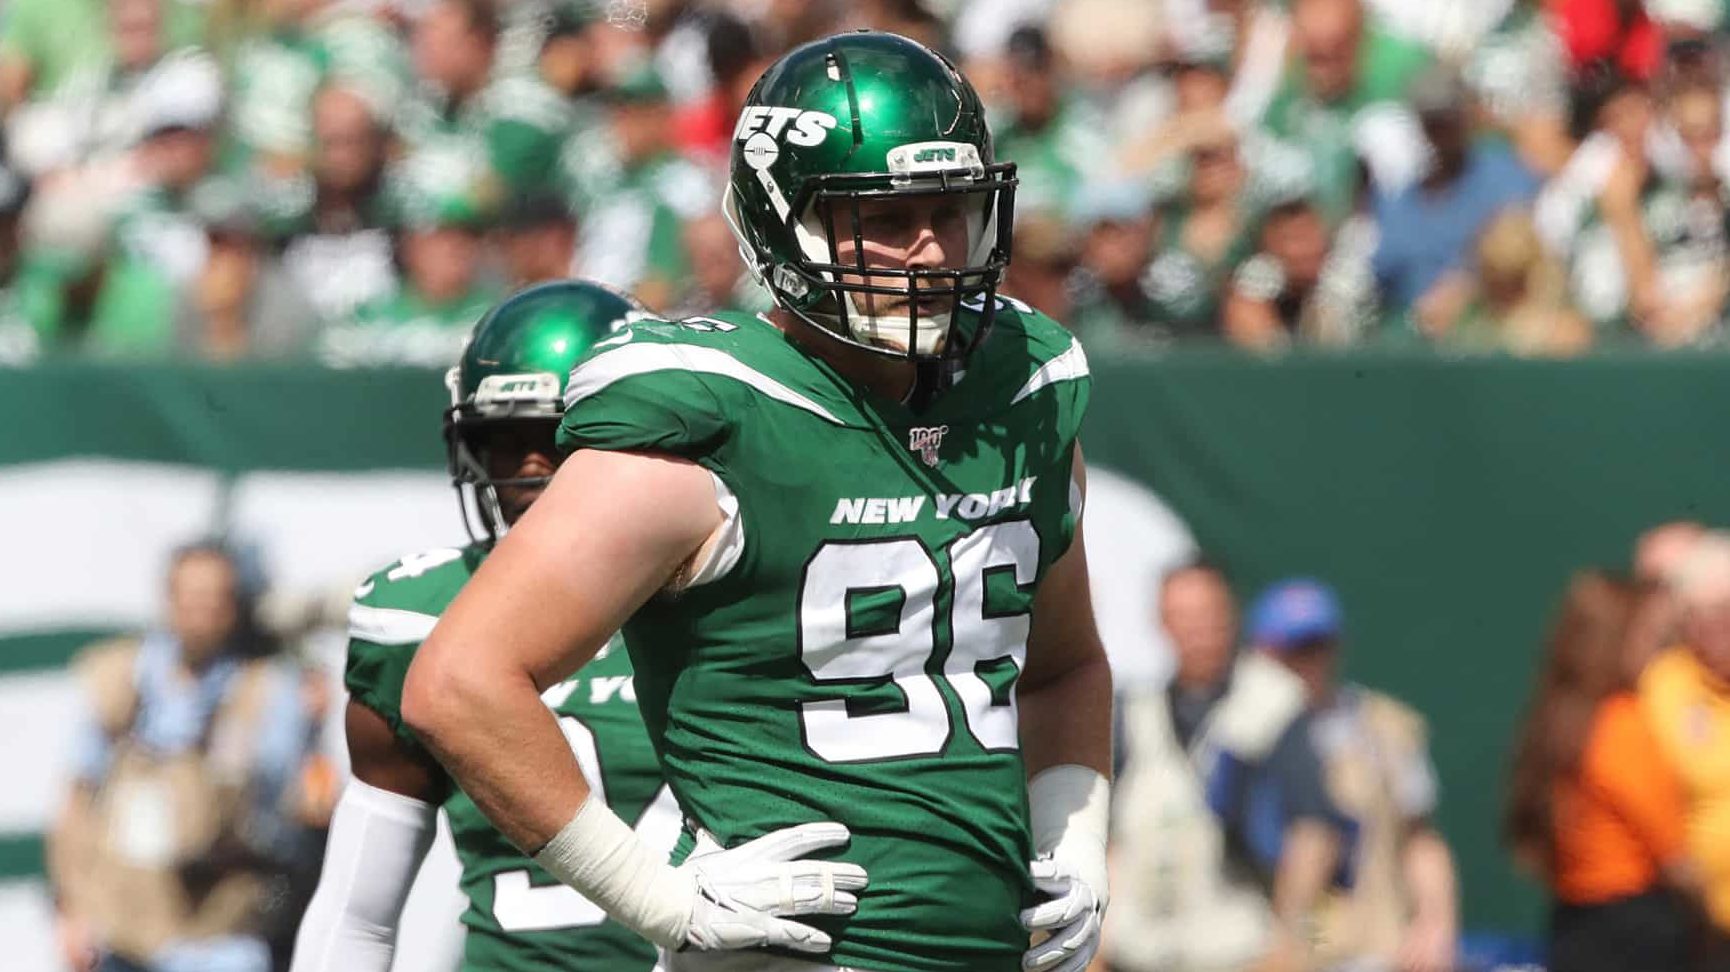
(519, 918)
(855, 654)
(405, 328)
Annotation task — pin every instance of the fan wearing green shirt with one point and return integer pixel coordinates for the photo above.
(1341, 99)
(427, 320)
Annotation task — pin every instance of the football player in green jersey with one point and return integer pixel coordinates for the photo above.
(843, 541)
(506, 403)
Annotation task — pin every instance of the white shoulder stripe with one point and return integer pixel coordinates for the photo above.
(598, 372)
(1068, 366)
(388, 626)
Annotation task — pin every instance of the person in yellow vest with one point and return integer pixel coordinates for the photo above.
(1397, 908)
(184, 815)
(1685, 694)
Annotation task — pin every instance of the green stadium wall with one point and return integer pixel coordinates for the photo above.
(1447, 499)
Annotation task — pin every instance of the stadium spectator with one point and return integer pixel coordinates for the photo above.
(1594, 808)
(1301, 285)
(330, 226)
(1518, 75)
(453, 43)
(1426, 231)
(443, 292)
(1401, 908)
(718, 278)
(26, 297)
(94, 115)
(1613, 116)
(529, 117)
(1207, 230)
(1199, 75)
(536, 239)
(1219, 799)
(1619, 32)
(215, 315)
(474, 122)
(1684, 696)
(52, 48)
(1112, 307)
(1668, 231)
(1046, 255)
(1341, 100)
(1519, 301)
(1658, 556)
(159, 246)
(275, 61)
(735, 58)
(1051, 134)
(567, 60)
(185, 807)
(1660, 551)
(636, 193)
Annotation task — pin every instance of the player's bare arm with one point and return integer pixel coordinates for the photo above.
(1065, 694)
(379, 759)
(1065, 715)
(611, 530)
(507, 398)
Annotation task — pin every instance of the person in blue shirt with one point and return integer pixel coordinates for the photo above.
(181, 822)
(1224, 838)
(1427, 231)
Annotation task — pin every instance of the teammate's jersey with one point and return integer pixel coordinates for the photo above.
(519, 917)
(858, 661)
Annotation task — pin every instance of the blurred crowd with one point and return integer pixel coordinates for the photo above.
(352, 181)
(1619, 800)
(1270, 814)
(201, 790)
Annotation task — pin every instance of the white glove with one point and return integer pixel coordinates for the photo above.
(718, 899)
(743, 894)
(1069, 807)
(1072, 917)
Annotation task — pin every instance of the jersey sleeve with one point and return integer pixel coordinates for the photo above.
(1049, 397)
(646, 389)
(392, 613)
(374, 676)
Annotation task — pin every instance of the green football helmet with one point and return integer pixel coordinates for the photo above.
(854, 118)
(512, 376)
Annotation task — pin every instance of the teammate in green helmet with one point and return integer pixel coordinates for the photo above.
(506, 404)
(843, 539)
(507, 394)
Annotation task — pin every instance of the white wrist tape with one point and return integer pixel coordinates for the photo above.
(606, 862)
(1070, 809)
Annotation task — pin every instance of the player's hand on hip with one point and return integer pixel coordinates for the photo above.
(1071, 917)
(745, 894)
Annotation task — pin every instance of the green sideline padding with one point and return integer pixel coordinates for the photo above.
(1447, 499)
(233, 418)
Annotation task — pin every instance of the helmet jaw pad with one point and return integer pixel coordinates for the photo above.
(828, 208)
